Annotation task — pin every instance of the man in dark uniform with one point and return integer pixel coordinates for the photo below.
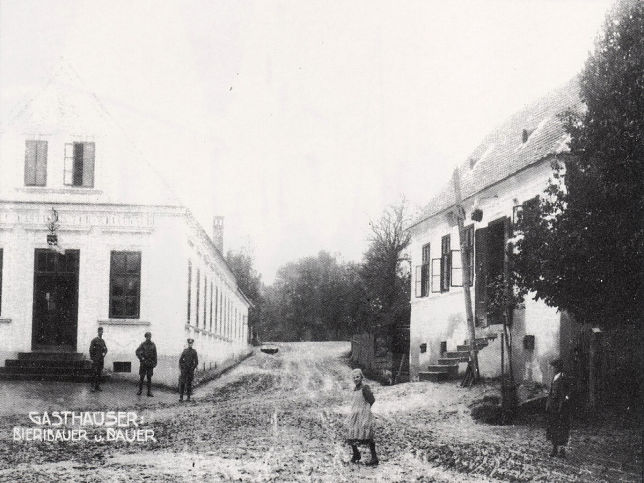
(558, 410)
(97, 351)
(147, 355)
(188, 362)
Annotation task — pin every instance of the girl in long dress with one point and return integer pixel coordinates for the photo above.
(558, 410)
(360, 422)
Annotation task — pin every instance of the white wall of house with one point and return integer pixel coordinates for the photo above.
(126, 207)
(441, 317)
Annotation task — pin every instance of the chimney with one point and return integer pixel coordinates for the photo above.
(218, 232)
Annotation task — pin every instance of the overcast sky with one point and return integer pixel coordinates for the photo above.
(298, 120)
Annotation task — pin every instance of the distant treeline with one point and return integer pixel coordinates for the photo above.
(321, 298)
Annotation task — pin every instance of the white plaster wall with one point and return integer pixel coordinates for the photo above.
(441, 316)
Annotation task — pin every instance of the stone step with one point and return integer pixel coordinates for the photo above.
(46, 370)
(451, 370)
(47, 377)
(47, 363)
(434, 376)
(456, 354)
(478, 340)
(448, 361)
(51, 356)
(466, 348)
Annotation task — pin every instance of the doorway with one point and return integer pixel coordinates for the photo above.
(55, 303)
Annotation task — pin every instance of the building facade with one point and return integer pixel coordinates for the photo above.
(498, 183)
(91, 236)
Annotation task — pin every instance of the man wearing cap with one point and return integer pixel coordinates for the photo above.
(97, 351)
(188, 362)
(147, 355)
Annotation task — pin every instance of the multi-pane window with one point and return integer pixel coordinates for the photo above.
(125, 284)
(205, 299)
(217, 309)
(422, 273)
(445, 263)
(197, 299)
(0, 280)
(35, 163)
(456, 268)
(79, 164)
(211, 287)
(189, 288)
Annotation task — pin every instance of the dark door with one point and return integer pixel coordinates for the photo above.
(55, 307)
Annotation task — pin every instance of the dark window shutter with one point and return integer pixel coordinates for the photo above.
(417, 284)
(77, 176)
(30, 163)
(88, 164)
(436, 275)
(41, 163)
(480, 287)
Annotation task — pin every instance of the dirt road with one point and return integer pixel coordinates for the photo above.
(280, 418)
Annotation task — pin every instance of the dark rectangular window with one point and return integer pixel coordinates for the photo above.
(445, 263)
(211, 287)
(205, 301)
(0, 281)
(189, 289)
(35, 163)
(198, 281)
(79, 164)
(424, 273)
(122, 366)
(125, 285)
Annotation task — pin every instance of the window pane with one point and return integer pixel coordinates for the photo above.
(118, 286)
(77, 179)
(118, 262)
(131, 306)
(133, 262)
(132, 286)
(118, 307)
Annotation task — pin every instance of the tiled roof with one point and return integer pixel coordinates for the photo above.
(503, 152)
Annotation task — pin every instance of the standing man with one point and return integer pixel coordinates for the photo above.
(97, 351)
(147, 355)
(188, 362)
(558, 410)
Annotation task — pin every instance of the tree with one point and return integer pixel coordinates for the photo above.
(582, 249)
(249, 281)
(386, 280)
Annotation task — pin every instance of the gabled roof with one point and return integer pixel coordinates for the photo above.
(503, 152)
(66, 106)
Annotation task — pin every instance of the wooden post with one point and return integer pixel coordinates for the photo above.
(465, 271)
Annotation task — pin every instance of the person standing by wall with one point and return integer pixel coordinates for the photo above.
(360, 422)
(97, 351)
(558, 410)
(147, 355)
(188, 362)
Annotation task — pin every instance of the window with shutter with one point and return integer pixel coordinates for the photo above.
(445, 263)
(456, 275)
(436, 275)
(418, 281)
(79, 164)
(189, 289)
(480, 285)
(35, 163)
(424, 275)
(0, 281)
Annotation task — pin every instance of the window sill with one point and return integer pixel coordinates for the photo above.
(81, 190)
(134, 322)
(5, 321)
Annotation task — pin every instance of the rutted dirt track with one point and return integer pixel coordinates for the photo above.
(280, 417)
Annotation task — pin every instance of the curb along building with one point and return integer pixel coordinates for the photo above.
(91, 236)
(501, 178)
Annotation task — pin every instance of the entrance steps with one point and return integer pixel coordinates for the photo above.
(48, 366)
(447, 366)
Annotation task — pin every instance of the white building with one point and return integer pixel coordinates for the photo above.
(130, 257)
(504, 173)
